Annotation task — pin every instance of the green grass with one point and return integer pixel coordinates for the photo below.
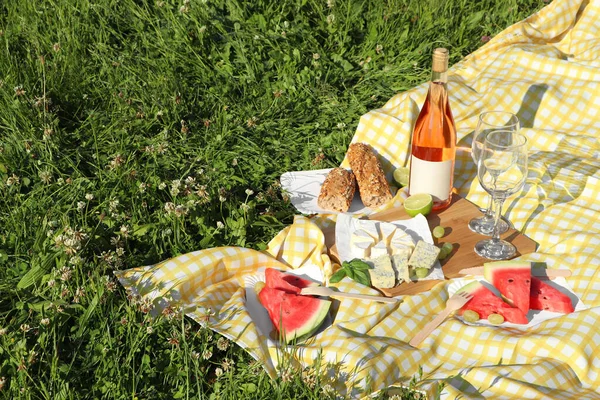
(133, 131)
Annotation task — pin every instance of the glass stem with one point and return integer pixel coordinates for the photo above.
(499, 201)
(489, 213)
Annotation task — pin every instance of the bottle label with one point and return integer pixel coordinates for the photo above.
(433, 177)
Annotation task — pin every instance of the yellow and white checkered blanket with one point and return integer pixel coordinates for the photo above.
(546, 69)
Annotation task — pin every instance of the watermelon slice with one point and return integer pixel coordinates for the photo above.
(289, 283)
(485, 302)
(295, 317)
(512, 279)
(548, 298)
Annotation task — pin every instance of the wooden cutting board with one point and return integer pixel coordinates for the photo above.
(455, 219)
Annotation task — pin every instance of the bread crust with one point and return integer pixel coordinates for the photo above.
(337, 191)
(373, 187)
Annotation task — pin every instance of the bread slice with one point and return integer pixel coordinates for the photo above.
(337, 191)
(373, 187)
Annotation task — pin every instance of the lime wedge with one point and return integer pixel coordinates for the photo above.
(401, 176)
(420, 203)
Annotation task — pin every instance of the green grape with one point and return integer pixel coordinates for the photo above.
(470, 316)
(495, 319)
(438, 232)
(448, 247)
(421, 272)
(442, 254)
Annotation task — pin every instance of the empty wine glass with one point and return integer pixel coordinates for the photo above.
(490, 121)
(502, 170)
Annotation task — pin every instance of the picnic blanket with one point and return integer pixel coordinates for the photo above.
(546, 69)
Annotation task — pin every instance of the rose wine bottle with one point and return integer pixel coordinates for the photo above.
(434, 139)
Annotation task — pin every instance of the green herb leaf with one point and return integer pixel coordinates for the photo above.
(338, 276)
(351, 272)
(357, 264)
(363, 277)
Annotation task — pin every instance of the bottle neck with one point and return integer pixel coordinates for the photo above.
(439, 77)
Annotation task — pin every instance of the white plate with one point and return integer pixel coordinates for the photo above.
(259, 314)
(416, 227)
(534, 317)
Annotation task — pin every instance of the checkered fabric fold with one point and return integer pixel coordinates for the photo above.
(546, 69)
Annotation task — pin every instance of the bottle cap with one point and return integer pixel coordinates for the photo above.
(440, 59)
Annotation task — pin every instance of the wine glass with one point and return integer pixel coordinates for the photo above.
(502, 170)
(490, 121)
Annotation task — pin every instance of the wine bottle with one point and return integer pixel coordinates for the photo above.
(433, 148)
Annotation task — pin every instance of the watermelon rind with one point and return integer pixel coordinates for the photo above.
(287, 309)
(512, 279)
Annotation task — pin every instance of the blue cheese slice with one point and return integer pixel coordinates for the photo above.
(382, 274)
(424, 255)
(400, 265)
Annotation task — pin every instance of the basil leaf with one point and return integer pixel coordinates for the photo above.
(351, 272)
(359, 265)
(363, 278)
(338, 276)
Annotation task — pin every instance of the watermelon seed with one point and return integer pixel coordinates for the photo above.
(511, 280)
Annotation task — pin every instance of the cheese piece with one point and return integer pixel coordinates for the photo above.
(401, 241)
(386, 231)
(424, 255)
(361, 235)
(361, 250)
(371, 229)
(382, 274)
(361, 243)
(380, 249)
(400, 265)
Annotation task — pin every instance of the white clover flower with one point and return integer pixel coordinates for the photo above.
(249, 192)
(45, 176)
(81, 206)
(124, 230)
(13, 180)
(222, 344)
(45, 321)
(220, 225)
(222, 198)
(207, 354)
(169, 207)
(76, 260)
(89, 197)
(330, 19)
(341, 125)
(218, 372)
(244, 206)
(162, 186)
